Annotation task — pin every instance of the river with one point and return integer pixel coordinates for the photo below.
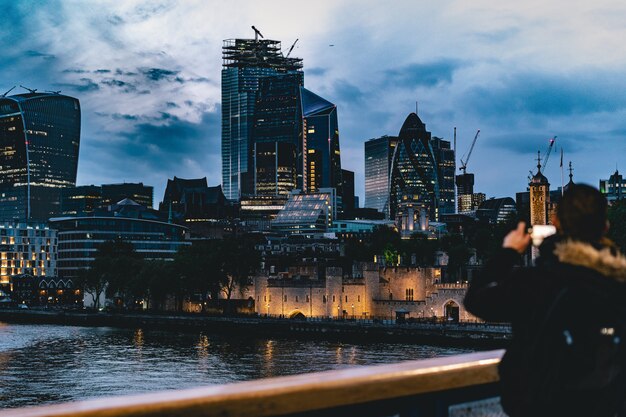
(44, 364)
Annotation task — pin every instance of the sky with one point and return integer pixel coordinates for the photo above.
(147, 74)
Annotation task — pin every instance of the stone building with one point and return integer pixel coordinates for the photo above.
(370, 292)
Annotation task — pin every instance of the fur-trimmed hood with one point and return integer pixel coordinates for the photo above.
(606, 261)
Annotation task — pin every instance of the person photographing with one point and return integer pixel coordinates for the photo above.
(567, 354)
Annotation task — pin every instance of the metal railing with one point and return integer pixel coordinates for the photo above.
(460, 385)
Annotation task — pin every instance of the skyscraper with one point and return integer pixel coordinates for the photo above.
(277, 136)
(378, 156)
(446, 168)
(414, 194)
(320, 144)
(245, 62)
(39, 141)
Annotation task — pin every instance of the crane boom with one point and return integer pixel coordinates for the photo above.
(545, 159)
(469, 153)
(291, 49)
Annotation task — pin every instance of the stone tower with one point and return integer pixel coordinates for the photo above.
(539, 196)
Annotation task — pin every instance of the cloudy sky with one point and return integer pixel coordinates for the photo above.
(147, 74)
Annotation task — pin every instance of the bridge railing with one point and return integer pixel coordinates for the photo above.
(460, 385)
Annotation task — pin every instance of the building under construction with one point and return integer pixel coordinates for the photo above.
(245, 62)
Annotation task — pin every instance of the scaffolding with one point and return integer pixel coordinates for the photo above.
(260, 53)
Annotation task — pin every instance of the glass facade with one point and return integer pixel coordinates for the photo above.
(446, 168)
(245, 62)
(320, 144)
(414, 177)
(277, 135)
(307, 213)
(614, 188)
(378, 155)
(114, 193)
(39, 142)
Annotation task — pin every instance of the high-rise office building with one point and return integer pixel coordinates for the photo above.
(245, 62)
(320, 144)
(80, 201)
(378, 156)
(39, 141)
(414, 194)
(348, 198)
(277, 136)
(446, 168)
(139, 193)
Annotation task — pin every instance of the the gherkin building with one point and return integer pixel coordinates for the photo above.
(414, 192)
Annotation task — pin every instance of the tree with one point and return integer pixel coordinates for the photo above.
(117, 264)
(240, 260)
(93, 283)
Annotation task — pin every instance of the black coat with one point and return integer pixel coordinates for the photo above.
(524, 295)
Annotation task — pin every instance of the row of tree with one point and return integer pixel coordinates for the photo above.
(204, 270)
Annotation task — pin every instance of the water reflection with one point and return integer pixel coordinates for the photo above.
(48, 364)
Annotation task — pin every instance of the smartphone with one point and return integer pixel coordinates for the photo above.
(541, 231)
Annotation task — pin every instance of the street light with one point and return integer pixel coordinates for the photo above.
(337, 312)
(352, 311)
(268, 309)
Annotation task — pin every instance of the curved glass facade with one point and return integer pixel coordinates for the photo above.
(39, 143)
(414, 180)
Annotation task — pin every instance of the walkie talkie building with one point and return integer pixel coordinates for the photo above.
(39, 142)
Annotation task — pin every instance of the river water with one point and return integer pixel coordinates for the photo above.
(44, 364)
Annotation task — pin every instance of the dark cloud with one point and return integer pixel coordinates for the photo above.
(423, 74)
(102, 71)
(119, 71)
(348, 92)
(548, 95)
(122, 85)
(37, 54)
(317, 71)
(75, 71)
(158, 74)
(86, 85)
(172, 105)
(115, 20)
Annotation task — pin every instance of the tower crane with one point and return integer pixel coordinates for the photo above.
(8, 91)
(469, 153)
(32, 90)
(550, 146)
(291, 49)
(257, 33)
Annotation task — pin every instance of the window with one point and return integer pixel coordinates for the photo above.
(333, 298)
(265, 298)
(391, 296)
(409, 294)
(307, 299)
(358, 298)
(285, 298)
(270, 298)
(346, 298)
(324, 299)
(296, 298)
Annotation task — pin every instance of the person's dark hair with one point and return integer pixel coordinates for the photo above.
(582, 213)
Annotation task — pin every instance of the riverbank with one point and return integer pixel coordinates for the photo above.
(444, 334)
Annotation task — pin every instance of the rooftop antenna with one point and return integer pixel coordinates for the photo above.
(257, 33)
(8, 91)
(53, 92)
(32, 90)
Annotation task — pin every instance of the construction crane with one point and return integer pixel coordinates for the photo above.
(32, 90)
(257, 33)
(291, 49)
(550, 146)
(469, 153)
(8, 91)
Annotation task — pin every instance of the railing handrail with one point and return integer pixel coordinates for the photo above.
(291, 394)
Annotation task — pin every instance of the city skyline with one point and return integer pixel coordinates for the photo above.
(150, 92)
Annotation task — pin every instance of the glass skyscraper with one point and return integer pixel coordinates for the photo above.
(446, 168)
(320, 144)
(414, 178)
(378, 155)
(277, 136)
(245, 62)
(39, 142)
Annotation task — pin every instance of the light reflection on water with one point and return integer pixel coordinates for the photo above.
(50, 364)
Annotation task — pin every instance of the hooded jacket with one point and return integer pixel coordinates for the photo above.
(523, 296)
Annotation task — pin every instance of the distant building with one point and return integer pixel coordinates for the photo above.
(82, 200)
(378, 157)
(245, 62)
(496, 210)
(469, 203)
(614, 188)
(320, 144)
(348, 199)
(446, 168)
(139, 193)
(39, 137)
(191, 202)
(307, 213)
(26, 249)
(414, 194)
(539, 197)
(79, 237)
(277, 136)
